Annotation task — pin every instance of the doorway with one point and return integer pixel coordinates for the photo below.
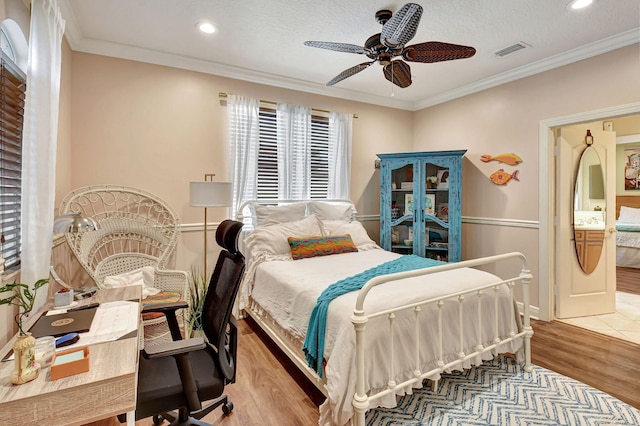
(547, 204)
(590, 305)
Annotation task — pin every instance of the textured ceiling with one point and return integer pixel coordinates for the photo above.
(262, 41)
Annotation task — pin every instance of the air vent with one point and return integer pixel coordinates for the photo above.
(513, 48)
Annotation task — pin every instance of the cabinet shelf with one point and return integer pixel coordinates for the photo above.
(437, 212)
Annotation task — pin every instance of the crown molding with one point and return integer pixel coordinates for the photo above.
(628, 139)
(599, 47)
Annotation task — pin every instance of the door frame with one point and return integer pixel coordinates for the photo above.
(547, 185)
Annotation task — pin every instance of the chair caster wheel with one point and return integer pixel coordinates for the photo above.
(157, 419)
(227, 408)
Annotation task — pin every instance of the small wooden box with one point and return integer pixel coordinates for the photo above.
(72, 367)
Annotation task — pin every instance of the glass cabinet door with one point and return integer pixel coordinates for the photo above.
(436, 211)
(403, 206)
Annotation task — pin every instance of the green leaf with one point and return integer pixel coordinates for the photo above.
(40, 283)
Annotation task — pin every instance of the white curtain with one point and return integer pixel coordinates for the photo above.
(40, 141)
(244, 129)
(340, 155)
(294, 152)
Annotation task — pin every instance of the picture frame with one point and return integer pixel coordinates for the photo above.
(408, 204)
(430, 204)
(631, 169)
(443, 211)
(443, 179)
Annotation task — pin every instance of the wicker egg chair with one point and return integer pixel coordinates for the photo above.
(136, 229)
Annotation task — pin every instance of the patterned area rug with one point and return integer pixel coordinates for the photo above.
(500, 392)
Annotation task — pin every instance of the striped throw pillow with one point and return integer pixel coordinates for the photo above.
(302, 248)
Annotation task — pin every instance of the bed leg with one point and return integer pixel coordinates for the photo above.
(528, 331)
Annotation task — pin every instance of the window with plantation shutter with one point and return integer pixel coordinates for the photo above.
(12, 95)
(267, 173)
(319, 156)
(267, 155)
(284, 151)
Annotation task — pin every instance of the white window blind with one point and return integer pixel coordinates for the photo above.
(267, 173)
(319, 156)
(12, 95)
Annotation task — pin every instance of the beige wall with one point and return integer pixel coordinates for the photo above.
(506, 119)
(157, 128)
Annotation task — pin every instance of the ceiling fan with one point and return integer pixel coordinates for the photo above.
(397, 30)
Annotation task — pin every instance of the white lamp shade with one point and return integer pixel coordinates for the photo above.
(210, 194)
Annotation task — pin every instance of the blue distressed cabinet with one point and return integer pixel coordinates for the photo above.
(421, 203)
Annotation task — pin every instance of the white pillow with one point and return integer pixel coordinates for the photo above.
(629, 215)
(143, 276)
(328, 211)
(272, 240)
(355, 229)
(268, 215)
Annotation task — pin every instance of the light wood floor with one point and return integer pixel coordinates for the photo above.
(628, 280)
(270, 391)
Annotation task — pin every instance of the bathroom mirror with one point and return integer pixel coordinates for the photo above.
(589, 210)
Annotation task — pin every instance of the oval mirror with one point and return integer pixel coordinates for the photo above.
(589, 210)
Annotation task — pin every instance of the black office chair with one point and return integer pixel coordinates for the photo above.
(179, 375)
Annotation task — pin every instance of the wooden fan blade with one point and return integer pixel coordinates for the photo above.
(398, 72)
(338, 47)
(349, 72)
(435, 51)
(402, 26)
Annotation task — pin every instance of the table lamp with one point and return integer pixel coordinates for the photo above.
(74, 222)
(209, 194)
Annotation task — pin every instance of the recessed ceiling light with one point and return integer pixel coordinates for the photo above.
(206, 27)
(579, 4)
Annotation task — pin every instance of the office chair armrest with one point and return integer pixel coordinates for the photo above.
(180, 350)
(174, 348)
(169, 311)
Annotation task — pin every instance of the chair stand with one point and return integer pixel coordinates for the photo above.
(184, 418)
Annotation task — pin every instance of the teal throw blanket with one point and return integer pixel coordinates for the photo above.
(628, 228)
(313, 346)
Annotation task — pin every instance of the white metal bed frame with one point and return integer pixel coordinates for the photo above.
(360, 318)
(361, 400)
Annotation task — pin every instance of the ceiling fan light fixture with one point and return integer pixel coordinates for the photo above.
(579, 4)
(397, 29)
(207, 27)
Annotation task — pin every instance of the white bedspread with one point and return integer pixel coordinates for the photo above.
(628, 234)
(288, 290)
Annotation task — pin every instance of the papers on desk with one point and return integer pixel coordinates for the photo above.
(112, 321)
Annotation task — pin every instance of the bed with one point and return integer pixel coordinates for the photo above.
(396, 331)
(628, 231)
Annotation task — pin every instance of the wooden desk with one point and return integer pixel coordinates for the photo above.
(106, 390)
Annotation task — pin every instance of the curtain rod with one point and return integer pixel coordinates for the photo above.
(222, 95)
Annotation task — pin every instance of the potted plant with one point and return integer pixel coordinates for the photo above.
(21, 295)
(197, 292)
(431, 181)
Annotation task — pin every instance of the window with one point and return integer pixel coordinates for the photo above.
(267, 173)
(12, 95)
(287, 152)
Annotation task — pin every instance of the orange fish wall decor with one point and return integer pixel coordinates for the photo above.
(510, 158)
(501, 177)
